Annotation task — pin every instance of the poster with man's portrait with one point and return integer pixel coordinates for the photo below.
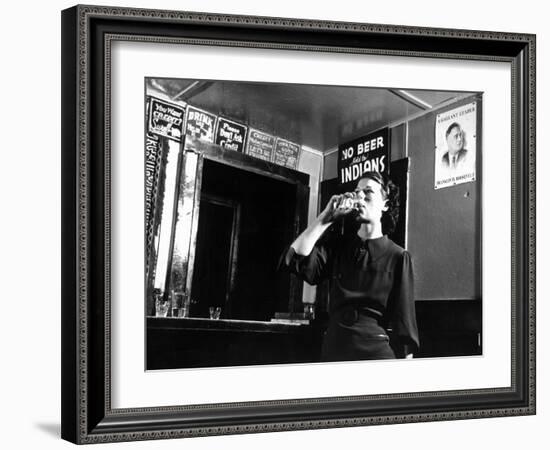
(455, 146)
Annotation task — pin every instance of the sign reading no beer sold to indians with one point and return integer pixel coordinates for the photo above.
(370, 153)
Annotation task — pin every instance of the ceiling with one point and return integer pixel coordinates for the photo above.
(319, 117)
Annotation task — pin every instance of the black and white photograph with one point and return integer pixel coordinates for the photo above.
(259, 235)
(298, 224)
(275, 225)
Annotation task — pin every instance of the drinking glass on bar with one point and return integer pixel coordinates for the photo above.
(162, 305)
(309, 311)
(215, 312)
(180, 304)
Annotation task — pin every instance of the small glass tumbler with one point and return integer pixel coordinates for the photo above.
(162, 306)
(215, 312)
(349, 201)
(180, 304)
(309, 311)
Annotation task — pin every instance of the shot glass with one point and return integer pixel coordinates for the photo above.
(215, 312)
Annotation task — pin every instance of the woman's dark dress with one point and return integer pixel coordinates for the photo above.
(371, 293)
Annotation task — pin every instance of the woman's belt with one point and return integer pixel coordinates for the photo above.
(349, 314)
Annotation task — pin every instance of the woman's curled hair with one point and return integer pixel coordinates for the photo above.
(390, 217)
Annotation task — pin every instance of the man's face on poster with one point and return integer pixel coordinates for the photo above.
(455, 140)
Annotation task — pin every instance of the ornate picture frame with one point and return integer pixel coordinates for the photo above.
(88, 415)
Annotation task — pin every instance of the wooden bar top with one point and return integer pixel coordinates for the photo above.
(201, 323)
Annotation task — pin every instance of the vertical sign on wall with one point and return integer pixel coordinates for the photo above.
(154, 190)
(152, 161)
(230, 135)
(370, 153)
(165, 119)
(455, 146)
(200, 124)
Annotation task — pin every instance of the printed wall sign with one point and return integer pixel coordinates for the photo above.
(260, 145)
(455, 146)
(200, 124)
(152, 161)
(230, 135)
(370, 153)
(286, 153)
(166, 119)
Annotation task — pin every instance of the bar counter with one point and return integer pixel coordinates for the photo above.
(200, 323)
(200, 342)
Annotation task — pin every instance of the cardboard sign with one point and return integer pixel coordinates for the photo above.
(200, 124)
(286, 153)
(370, 153)
(260, 145)
(166, 119)
(230, 135)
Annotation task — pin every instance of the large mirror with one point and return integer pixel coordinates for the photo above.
(234, 217)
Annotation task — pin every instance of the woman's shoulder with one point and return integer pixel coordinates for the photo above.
(397, 250)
